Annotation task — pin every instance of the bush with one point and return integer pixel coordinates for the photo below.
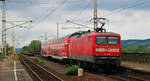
(36, 60)
(72, 70)
(41, 62)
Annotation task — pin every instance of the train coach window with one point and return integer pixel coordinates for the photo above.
(89, 39)
(113, 40)
(101, 40)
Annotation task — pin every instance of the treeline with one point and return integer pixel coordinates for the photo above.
(33, 47)
(136, 49)
(9, 49)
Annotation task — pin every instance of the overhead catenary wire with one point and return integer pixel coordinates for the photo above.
(118, 10)
(48, 12)
(51, 11)
(44, 3)
(76, 16)
(8, 18)
(42, 18)
(85, 8)
(24, 2)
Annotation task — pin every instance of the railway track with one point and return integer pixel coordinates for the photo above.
(128, 74)
(124, 77)
(37, 72)
(124, 74)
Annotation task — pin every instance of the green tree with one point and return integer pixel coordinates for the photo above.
(136, 49)
(34, 46)
(27, 49)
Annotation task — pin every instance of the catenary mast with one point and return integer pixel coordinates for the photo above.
(3, 27)
(95, 15)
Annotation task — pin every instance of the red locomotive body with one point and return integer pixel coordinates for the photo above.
(87, 47)
(96, 48)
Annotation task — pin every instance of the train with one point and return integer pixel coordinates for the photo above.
(86, 48)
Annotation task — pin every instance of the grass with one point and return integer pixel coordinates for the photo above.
(72, 70)
(41, 62)
(38, 61)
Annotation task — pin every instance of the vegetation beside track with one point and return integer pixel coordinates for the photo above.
(136, 53)
(136, 49)
(38, 61)
(9, 50)
(72, 70)
(33, 47)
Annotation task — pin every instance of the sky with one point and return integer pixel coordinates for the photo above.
(129, 18)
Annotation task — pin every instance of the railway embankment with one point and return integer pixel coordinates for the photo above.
(59, 69)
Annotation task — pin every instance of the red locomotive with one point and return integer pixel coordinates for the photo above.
(92, 49)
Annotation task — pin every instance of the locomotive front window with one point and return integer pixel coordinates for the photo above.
(113, 40)
(101, 40)
(106, 40)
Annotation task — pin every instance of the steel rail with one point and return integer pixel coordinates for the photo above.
(35, 69)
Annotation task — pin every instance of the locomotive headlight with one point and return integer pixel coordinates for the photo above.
(100, 50)
(114, 50)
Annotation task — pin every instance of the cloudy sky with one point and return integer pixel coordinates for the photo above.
(130, 18)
